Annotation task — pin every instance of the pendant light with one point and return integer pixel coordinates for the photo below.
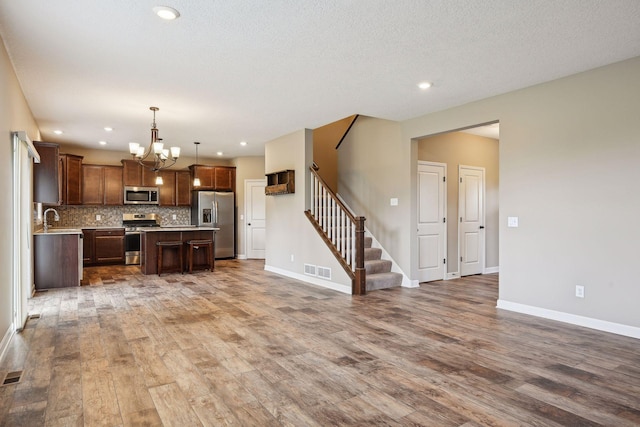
(196, 180)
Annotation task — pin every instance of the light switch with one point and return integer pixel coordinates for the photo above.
(393, 201)
(512, 221)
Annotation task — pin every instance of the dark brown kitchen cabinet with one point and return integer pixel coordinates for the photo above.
(88, 246)
(175, 189)
(183, 188)
(134, 175)
(45, 174)
(102, 185)
(219, 178)
(224, 178)
(109, 246)
(113, 188)
(167, 190)
(70, 179)
(56, 263)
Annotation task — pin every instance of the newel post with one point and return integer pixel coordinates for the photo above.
(359, 286)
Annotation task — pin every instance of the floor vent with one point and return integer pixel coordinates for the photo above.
(12, 378)
(34, 316)
(310, 269)
(324, 273)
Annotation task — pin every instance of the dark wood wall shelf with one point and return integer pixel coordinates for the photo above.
(283, 182)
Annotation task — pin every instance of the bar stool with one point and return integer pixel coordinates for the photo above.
(162, 246)
(195, 245)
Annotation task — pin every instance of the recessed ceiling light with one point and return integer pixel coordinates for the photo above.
(243, 143)
(57, 132)
(425, 85)
(102, 142)
(166, 12)
(108, 129)
(219, 153)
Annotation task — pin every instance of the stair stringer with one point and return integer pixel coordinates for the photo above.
(395, 268)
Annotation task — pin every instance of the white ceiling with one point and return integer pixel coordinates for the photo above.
(252, 70)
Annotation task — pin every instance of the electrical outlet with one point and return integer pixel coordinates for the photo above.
(291, 257)
(580, 291)
(174, 216)
(98, 217)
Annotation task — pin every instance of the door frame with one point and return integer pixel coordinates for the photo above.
(444, 211)
(484, 216)
(246, 209)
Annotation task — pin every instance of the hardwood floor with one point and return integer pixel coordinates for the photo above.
(245, 347)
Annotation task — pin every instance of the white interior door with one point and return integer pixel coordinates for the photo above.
(471, 211)
(255, 217)
(432, 195)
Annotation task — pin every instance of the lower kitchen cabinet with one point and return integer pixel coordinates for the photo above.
(56, 260)
(103, 246)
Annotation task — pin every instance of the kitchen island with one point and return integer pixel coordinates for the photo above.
(152, 235)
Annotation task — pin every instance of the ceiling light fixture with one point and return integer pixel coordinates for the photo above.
(219, 153)
(425, 85)
(166, 12)
(243, 143)
(108, 129)
(161, 155)
(196, 180)
(57, 132)
(102, 142)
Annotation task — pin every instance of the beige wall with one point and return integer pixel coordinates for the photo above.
(325, 140)
(373, 168)
(15, 115)
(288, 230)
(569, 152)
(459, 148)
(246, 168)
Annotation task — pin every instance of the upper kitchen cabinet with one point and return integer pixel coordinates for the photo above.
(70, 179)
(134, 175)
(183, 188)
(175, 189)
(219, 178)
(45, 174)
(102, 185)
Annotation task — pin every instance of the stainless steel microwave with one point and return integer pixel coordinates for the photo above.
(140, 195)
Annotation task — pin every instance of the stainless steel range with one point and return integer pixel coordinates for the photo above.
(133, 223)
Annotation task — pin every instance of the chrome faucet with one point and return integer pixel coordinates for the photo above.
(56, 217)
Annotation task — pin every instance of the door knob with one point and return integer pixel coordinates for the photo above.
(482, 227)
(249, 224)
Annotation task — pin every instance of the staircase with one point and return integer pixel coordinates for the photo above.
(378, 270)
(343, 233)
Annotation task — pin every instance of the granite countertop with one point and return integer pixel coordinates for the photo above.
(57, 231)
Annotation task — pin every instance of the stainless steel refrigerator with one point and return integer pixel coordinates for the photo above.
(216, 209)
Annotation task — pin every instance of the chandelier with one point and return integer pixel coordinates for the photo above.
(161, 158)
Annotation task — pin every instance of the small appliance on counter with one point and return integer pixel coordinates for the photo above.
(216, 209)
(132, 223)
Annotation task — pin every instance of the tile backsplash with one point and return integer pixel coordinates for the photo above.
(111, 216)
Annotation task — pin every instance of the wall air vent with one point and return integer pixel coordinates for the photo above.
(324, 273)
(310, 269)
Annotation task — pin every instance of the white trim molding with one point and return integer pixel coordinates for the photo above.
(454, 275)
(490, 270)
(4, 344)
(587, 322)
(311, 280)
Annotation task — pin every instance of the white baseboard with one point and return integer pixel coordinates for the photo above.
(308, 279)
(454, 275)
(490, 270)
(6, 339)
(407, 283)
(587, 322)
(241, 256)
